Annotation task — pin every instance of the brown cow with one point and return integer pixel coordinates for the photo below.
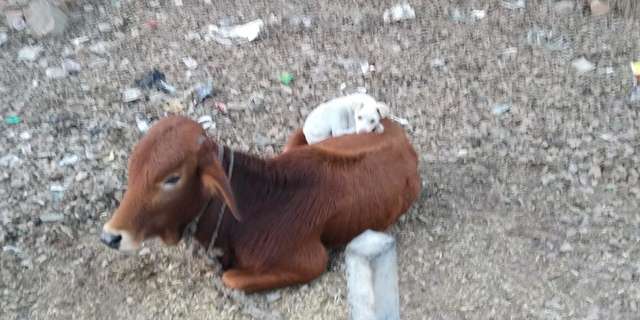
(285, 211)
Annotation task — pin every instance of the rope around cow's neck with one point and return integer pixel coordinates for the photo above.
(189, 232)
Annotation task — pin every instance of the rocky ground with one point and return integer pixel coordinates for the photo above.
(530, 156)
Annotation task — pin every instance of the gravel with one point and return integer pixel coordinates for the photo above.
(529, 212)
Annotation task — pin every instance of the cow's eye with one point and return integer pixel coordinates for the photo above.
(171, 181)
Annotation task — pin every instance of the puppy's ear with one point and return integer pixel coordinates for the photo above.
(382, 109)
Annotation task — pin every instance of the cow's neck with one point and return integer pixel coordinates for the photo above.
(258, 184)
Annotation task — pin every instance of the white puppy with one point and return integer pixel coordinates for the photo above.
(353, 113)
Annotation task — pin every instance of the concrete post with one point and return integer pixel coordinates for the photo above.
(372, 277)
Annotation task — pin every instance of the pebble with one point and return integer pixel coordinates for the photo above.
(80, 176)
(79, 40)
(51, 217)
(478, 14)
(29, 53)
(190, 63)
(399, 12)
(582, 65)
(144, 251)
(131, 94)
(71, 67)
(566, 247)
(206, 122)
(10, 161)
(3, 38)
(68, 160)
(55, 73)
(104, 27)
(142, 124)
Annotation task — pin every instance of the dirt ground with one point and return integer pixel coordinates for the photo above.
(531, 202)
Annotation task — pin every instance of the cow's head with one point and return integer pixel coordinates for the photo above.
(173, 172)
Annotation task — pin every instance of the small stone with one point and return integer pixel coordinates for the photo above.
(173, 106)
(190, 63)
(51, 217)
(71, 67)
(437, 63)
(177, 3)
(563, 7)
(69, 160)
(29, 53)
(548, 178)
(9, 160)
(144, 251)
(582, 65)
(3, 38)
(79, 41)
(399, 12)
(566, 247)
(104, 27)
(44, 18)
(81, 176)
(15, 20)
(599, 8)
(55, 73)
(273, 297)
(131, 94)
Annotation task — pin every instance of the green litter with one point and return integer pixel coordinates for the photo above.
(286, 78)
(12, 120)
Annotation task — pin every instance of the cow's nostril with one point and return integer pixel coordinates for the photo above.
(111, 240)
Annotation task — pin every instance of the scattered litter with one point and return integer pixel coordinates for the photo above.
(478, 14)
(582, 65)
(13, 249)
(564, 7)
(190, 63)
(635, 94)
(220, 106)
(192, 36)
(29, 53)
(438, 63)
(25, 135)
(156, 79)
(304, 21)
(548, 39)
(511, 51)
(286, 78)
(51, 217)
(70, 66)
(104, 27)
(500, 108)
(355, 65)
(206, 122)
(401, 121)
(79, 40)
(514, 4)
(142, 124)
(3, 38)
(202, 91)
(131, 94)
(55, 73)
(235, 34)
(15, 20)
(10, 161)
(456, 15)
(598, 8)
(100, 48)
(566, 247)
(69, 160)
(151, 24)
(57, 188)
(12, 120)
(399, 12)
(44, 18)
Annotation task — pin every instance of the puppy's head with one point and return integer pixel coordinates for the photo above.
(368, 117)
